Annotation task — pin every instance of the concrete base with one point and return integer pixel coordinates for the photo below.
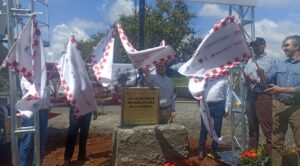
(228, 158)
(150, 145)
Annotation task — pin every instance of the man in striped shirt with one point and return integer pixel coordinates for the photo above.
(258, 102)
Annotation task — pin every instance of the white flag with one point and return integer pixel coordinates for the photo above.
(27, 57)
(102, 58)
(149, 57)
(223, 48)
(75, 80)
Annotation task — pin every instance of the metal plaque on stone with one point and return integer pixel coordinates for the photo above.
(140, 106)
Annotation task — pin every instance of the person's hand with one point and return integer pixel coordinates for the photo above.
(146, 71)
(274, 89)
(95, 115)
(250, 79)
(260, 72)
(173, 114)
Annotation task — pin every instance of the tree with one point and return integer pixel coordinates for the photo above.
(168, 20)
(86, 47)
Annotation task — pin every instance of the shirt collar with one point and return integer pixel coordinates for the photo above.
(260, 56)
(293, 61)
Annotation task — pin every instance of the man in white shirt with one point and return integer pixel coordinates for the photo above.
(217, 98)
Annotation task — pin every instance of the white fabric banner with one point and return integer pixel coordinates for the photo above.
(27, 58)
(223, 48)
(146, 58)
(102, 58)
(197, 87)
(75, 80)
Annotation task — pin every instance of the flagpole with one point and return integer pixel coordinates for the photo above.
(140, 78)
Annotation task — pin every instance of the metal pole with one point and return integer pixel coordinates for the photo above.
(253, 24)
(13, 86)
(141, 24)
(243, 116)
(140, 81)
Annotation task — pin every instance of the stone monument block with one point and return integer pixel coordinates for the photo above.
(150, 145)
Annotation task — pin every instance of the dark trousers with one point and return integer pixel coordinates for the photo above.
(217, 111)
(164, 115)
(259, 112)
(82, 123)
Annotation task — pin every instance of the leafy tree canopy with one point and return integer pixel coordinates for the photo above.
(168, 20)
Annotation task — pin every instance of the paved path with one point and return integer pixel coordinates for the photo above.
(188, 114)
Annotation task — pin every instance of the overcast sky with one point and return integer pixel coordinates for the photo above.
(274, 19)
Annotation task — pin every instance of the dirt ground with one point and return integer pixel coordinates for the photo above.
(99, 146)
(99, 150)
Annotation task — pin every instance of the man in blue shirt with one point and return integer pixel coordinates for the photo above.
(285, 87)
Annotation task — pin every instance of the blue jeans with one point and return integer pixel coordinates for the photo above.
(82, 123)
(217, 111)
(27, 140)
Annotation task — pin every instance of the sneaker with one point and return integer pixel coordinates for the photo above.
(201, 155)
(215, 155)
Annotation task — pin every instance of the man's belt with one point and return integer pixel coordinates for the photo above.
(286, 102)
(43, 109)
(164, 108)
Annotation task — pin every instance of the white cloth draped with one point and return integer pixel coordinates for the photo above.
(223, 48)
(149, 57)
(27, 58)
(75, 80)
(102, 58)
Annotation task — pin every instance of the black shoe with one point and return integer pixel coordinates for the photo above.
(83, 158)
(67, 163)
(215, 155)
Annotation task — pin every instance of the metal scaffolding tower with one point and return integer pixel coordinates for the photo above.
(15, 14)
(238, 114)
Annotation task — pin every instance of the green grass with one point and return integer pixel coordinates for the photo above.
(180, 81)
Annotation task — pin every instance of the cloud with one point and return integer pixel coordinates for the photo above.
(275, 32)
(212, 10)
(120, 7)
(61, 33)
(276, 3)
